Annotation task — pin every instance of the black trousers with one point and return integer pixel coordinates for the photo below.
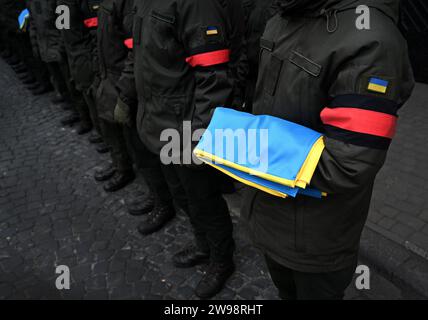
(150, 167)
(114, 136)
(21, 45)
(295, 285)
(93, 112)
(206, 208)
(66, 87)
(59, 79)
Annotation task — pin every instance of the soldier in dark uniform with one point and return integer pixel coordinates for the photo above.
(29, 68)
(319, 70)
(119, 94)
(115, 19)
(47, 44)
(80, 44)
(181, 51)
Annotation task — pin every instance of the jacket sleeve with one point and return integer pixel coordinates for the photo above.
(208, 52)
(126, 84)
(361, 116)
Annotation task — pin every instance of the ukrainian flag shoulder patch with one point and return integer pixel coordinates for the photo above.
(378, 85)
(212, 30)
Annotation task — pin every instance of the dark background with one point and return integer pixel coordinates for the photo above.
(414, 25)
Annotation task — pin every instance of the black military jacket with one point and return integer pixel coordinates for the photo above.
(80, 40)
(319, 70)
(114, 38)
(181, 53)
(45, 37)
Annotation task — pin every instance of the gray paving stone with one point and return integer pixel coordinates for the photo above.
(386, 223)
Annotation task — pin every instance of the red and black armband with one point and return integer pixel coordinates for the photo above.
(208, 55)
(361, 120)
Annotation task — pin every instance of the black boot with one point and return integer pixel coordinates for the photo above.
(39, 89)
(13, 61)
(190, 256)
(19, 68)
(33, 86)
(95, 138)
(214, 279)
(66, 106)
(156, 219)
(57, 98)
(103, 148)
(119, 181)
(29, 80)
(106, 173)
(70, 119)
(6, 54)
(140, 205)
(24, 76)
(84, 128)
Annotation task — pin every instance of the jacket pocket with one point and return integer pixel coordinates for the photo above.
(162, 27)
(164, 112)
(159, 37)
(163, 17)
(304, 63)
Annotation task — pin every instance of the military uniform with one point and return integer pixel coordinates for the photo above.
(81, 48)
(181, 54)
(115, 19)
(318, 70)
(48, 44)
(30, 69)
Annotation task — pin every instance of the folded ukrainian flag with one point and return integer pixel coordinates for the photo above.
(23, 19)
(274, 155)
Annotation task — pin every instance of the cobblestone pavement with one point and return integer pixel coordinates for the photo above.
(400, 201)
(53, 213)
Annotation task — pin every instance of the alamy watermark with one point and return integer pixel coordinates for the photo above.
(62, 281)
(240, 146)
(63, 19)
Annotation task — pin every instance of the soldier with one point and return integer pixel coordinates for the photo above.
(318, 70)
(114, 27)
(181, 52)
(29, 69)
(80, 44)
(48, 45)
(116, 62)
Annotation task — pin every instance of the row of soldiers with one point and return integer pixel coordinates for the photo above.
(99, 73)
(142, 68)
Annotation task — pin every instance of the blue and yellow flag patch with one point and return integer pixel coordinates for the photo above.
(23, 19)
(212, 31)
(378, 85)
